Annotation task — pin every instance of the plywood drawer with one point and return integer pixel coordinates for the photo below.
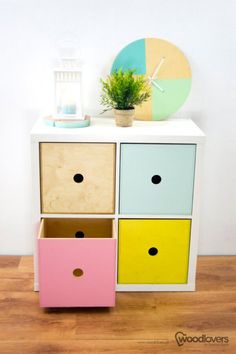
(153, 251)
(77, 177)
(77, 262)
(157, 179)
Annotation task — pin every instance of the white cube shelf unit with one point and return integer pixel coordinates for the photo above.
(144, 179)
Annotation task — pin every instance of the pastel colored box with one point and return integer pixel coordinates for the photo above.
(77, 178)
(77, 260)
(157, 179)
(153, 251)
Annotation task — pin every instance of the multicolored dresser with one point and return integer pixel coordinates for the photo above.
(115, 209)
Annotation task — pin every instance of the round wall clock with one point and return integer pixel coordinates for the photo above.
(167, 71)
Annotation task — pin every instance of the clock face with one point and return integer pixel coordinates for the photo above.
(167, 71)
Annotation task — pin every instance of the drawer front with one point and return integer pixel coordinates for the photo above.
(157, 179)
(77, 272)
(77, 177)
(153, 251)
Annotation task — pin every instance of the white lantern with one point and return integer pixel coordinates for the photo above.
(68, 76)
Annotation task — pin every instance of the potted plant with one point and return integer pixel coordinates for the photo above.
(122, 91)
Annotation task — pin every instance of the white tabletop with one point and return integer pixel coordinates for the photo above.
(105, 130)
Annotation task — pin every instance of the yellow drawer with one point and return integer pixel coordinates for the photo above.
(77, 177)
(153, 251)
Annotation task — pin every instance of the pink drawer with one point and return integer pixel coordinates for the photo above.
(77, 260)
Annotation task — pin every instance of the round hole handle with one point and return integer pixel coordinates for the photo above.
(156, 179)
(79, 234)
(77, 272)
(78, 178)
(153, 251)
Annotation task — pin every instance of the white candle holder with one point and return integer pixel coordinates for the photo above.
(68, 78)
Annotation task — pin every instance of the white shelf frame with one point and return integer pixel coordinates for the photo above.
(56, 135)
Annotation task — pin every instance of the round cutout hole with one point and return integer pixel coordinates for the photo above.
(78, 272)
(79, 234)
(153, 251)
(156, 179)
(78, 178)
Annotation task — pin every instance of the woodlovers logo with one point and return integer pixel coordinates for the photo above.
(182, 338)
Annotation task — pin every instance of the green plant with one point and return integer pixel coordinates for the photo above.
(123, 90)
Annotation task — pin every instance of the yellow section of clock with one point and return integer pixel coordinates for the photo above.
(144, 111)
(153, 251)
(175, 65)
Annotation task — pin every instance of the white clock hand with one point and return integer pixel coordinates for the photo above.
(151, 81)
(158, 67)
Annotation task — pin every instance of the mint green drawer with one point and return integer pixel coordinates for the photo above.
(157, 178)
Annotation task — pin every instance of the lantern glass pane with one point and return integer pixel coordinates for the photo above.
(68, 93)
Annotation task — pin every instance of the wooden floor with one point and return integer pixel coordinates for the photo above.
(140, 322)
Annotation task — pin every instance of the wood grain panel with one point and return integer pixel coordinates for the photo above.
(67, 228)
(9, 261)
(60, 162)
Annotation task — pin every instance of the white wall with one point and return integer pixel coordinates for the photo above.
(29, 33)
